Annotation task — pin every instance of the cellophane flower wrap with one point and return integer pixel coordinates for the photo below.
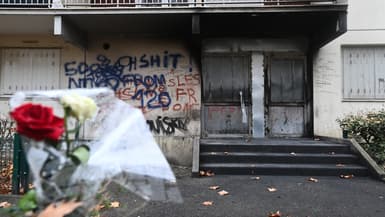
(77, 141)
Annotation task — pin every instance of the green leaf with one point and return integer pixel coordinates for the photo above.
(28, 201)
(80, 154)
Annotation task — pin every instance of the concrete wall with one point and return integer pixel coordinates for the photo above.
(366, 26)
(160, 77)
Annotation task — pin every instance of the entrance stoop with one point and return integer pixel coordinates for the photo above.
(293, 156)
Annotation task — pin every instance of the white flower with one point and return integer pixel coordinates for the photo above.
(81, 107)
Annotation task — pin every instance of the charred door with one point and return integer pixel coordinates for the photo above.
(226, 95)
(286, 97)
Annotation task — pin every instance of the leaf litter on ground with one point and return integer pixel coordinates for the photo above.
(206, 173)
(214, 187)
(255, 178)
(207, 203)
(275, 214)
(5, 204)
(223, 193)
(350, 176)
(271, 189)
(311, 179)
(59, 209)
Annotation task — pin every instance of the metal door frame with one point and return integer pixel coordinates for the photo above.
(267, 62)
(204, 134)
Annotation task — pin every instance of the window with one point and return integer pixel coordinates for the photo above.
(363, 72)
(29, 69)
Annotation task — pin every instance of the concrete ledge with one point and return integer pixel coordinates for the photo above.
(195, 163)
(372, 165)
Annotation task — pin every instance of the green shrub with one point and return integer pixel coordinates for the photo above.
(369, 130)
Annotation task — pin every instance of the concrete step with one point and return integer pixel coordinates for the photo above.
(325, 148)
(271, 157)
(299, 156)
(285, 169)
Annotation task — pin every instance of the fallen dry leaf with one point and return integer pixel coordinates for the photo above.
(256, 178)
(6, 177)
(332, 153)
(293, 153)
(223, 193)
(275, 214)
(214, 187)
(340, 165)
(29, 214)
(350, 176)
(313, 179)
(206, 173)
(99, 207)
(317, 139)
(272, 189)
(226, 153)
(5, 204)
(114, 204)
(208, 203)
(59, 209)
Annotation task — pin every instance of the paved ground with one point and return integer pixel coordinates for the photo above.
(248, 197)
(294, 196)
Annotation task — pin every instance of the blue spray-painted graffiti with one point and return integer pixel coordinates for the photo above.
(149, 89)
(104, 73)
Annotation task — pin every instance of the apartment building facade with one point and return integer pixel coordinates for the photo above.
(195, 68)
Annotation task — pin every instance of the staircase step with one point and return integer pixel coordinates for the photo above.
(283, 148)
(271, 157)
(285, 141)
(299, 156)
(284, 169)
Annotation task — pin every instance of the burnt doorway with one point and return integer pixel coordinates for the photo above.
(285, 94)
(226, 95)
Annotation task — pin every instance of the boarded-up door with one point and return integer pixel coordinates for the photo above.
(286, 104)
(226, 95)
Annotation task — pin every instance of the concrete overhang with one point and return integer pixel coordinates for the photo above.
(319, 23)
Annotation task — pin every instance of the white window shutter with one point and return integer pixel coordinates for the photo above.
(29, 69)
(380, 72)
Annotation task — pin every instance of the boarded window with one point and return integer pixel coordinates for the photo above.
(29, 69)
(286, 80)
(364, 72)
(225, 76)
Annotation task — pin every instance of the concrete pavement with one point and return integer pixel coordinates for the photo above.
(295, 196)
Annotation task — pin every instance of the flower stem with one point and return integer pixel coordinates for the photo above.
(66, 134)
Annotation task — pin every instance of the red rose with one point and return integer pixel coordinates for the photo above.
(37, 122)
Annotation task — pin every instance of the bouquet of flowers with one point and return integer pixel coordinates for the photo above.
(69, 169)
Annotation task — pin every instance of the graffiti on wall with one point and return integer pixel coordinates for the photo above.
(106, 73)
(167, 125)
(165, 84)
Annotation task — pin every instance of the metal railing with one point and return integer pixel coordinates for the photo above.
(58, 4)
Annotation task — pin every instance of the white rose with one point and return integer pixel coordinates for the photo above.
(81, 107)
